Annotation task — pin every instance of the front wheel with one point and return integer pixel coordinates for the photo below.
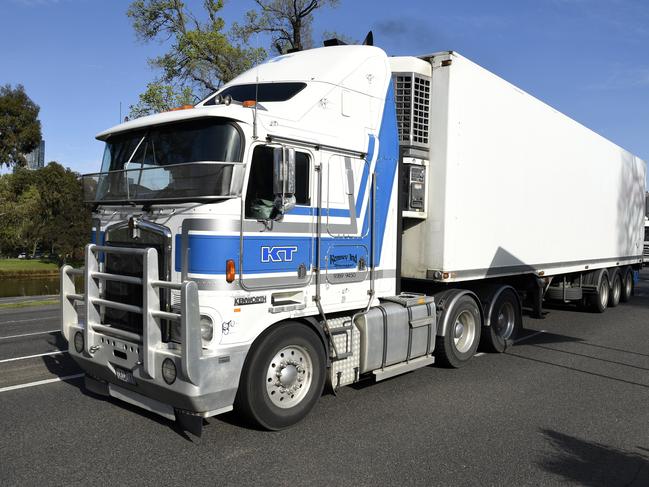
(462, 335)
(283, 377)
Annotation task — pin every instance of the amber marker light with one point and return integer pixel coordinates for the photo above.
(229, 270)
(182, 107)
(249, 103)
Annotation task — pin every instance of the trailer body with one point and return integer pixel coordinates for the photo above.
(514, 186)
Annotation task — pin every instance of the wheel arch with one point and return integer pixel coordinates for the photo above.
(309, 321)
(447, 300)
(594, 278)
(493, 297)
(614, 271)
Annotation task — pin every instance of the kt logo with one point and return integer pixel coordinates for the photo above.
(277, 254)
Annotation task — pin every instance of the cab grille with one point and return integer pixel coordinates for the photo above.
(131, 265)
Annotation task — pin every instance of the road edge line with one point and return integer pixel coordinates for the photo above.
(40, 382)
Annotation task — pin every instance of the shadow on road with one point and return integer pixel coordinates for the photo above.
(62, 366)
(593, 464)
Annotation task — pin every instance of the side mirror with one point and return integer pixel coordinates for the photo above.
(283, 181)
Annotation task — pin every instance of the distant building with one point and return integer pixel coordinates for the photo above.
(36, 158)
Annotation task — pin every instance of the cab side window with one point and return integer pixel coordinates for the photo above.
(259, 195)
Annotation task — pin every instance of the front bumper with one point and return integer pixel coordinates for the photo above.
(206, 383)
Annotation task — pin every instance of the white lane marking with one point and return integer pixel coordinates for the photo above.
(58, 352)
(480, 354)
(31, 334)
(40, 382)
(529, 336)
(30, 319)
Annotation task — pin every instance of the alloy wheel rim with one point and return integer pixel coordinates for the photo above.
(505, 321)
(603, 292)
(289, 376)
(617, 290)
(464, 331)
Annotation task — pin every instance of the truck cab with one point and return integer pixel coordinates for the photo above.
(271, 201)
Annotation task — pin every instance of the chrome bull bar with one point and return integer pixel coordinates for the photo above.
(151, 338)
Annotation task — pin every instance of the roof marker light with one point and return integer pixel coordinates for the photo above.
(182, 107)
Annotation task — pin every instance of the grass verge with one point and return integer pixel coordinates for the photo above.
(26, 304)
(27, 268)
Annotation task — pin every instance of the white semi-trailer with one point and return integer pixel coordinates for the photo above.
(333, 215)
(645, 252)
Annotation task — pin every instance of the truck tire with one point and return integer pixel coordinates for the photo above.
(462, 335)
(283, 377)
(505, 322)
(627, 285)
(615, 293)
(598, 302)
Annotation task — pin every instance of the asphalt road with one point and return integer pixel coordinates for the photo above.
(569, 404)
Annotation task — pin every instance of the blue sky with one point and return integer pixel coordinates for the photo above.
(78, 59)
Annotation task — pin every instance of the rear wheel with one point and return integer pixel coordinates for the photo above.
(627, 285)
(283, 377)
(598, 301)
(615, 291)
(462, 336)
(505, 322)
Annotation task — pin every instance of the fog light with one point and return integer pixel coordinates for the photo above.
(78, 342)
(169, 371)
(207, 328)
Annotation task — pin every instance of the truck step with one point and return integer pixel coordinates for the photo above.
(403, 367)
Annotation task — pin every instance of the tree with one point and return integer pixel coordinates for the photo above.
(160, 97)
(289, 22)
(43, 208)
(20, 129)
(201, 57)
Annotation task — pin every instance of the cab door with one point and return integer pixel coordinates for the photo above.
(345, 209)
(277, 253)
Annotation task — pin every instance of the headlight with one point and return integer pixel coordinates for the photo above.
(207, 328)
(169, 371)
(78, 342)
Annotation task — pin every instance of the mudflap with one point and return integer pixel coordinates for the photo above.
(190, 423)
(95, 386)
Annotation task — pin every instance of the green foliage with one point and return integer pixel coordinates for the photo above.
(159, 97)
(43, 208)
(287, 21)
(14, 266)
(20, 129)
(201, 55)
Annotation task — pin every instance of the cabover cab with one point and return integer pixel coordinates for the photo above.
(234, 241)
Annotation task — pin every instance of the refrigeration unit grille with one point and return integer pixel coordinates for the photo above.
(412, 94)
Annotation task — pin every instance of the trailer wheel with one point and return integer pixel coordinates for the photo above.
(505, 322)
(627, 285)
(283, 377)
(462, 336)
(598, 301)
(615, 292)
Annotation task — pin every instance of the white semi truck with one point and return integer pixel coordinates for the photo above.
(333, 215)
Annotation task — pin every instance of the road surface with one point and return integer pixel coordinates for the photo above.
(568, 404)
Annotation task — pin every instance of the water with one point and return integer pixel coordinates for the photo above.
(28, 286)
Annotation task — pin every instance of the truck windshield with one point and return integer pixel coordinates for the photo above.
(190, 160)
